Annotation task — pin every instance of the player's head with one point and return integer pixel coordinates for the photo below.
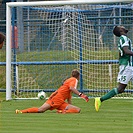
(119, 30)
(2, 39)
(75, 73)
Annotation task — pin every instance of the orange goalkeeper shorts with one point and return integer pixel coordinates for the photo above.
(57, 103)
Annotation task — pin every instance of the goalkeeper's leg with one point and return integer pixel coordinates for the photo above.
(41, 109)
(72, 109)
(68, 109)
(28, 110)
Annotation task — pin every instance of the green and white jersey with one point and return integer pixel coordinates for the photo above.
(124, 59)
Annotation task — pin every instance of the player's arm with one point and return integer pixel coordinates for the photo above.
(79, 94)
(127, 50)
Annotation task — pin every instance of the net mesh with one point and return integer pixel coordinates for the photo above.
(53, 40)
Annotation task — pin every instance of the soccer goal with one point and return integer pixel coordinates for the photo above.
(46, 40)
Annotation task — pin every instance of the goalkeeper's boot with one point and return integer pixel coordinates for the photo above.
(61, 111)
(18, 111)
(97, 103)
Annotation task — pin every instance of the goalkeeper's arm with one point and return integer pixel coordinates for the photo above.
(79, 94)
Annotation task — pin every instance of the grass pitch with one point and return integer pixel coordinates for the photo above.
(114, 116)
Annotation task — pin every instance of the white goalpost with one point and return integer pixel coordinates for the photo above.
(45, 40)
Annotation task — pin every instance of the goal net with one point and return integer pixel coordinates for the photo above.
(47, 40)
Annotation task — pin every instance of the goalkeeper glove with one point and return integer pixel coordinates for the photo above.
(84, 97)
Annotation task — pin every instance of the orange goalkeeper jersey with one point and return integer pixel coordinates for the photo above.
(58, 97)
(64, 90)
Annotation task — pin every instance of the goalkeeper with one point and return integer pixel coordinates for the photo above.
(125, 65)
(57, 98)
(2, 39)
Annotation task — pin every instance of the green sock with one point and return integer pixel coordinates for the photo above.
(109, 94)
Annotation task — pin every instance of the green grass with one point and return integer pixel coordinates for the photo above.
(115, 116)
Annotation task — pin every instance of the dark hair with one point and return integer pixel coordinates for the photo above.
(75, 73)
(2, 37)
(116, 31)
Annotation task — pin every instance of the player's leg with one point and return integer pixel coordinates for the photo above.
(68, 108)
(72, 109)
(28, 110)
(124, 76)
(41, 109)
(114, 92)
(109, 95)
(44, 107)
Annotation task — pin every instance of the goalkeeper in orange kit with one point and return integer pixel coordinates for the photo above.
(57, 99)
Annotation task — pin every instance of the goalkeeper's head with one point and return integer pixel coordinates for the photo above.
(120, 30)
(2, 39)
(75, 73)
